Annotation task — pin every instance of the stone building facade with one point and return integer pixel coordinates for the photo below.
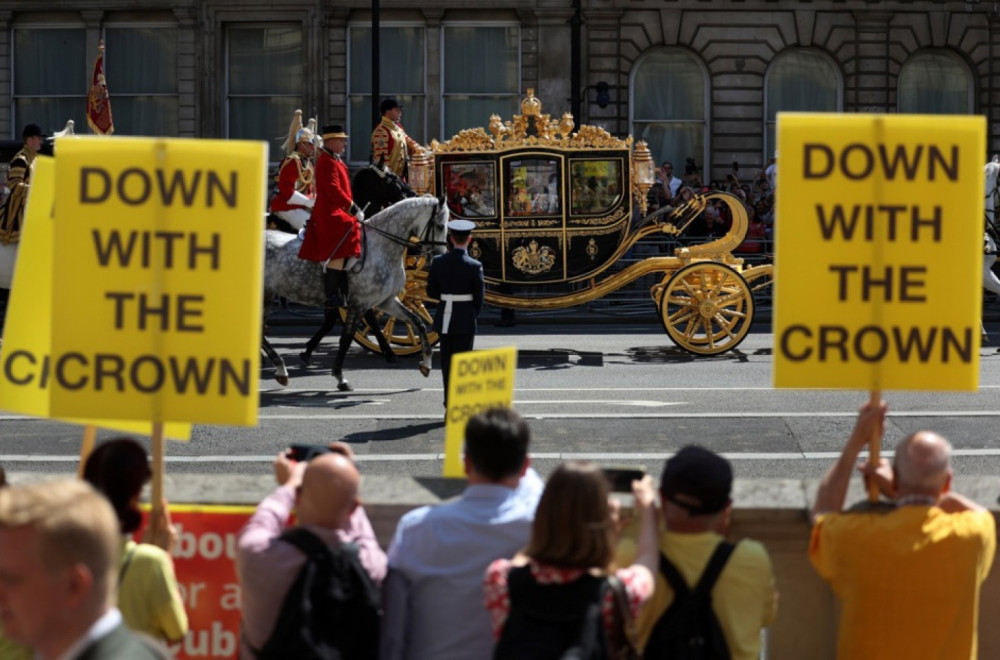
(698, 79)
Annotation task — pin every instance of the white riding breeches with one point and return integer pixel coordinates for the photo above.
(295, 217)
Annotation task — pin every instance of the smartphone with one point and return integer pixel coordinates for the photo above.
(306, 452)
(620, 478)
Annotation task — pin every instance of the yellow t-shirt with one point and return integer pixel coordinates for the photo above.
(148, 596)
(908, 581)
(743, 599)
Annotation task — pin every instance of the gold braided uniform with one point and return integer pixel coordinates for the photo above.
(19, 182)
(391, 144)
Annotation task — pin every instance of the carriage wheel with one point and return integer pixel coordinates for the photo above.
(402, 336)
(706, 308)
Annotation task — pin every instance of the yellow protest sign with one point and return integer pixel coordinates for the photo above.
(24, 356)
(879, 246)
(479, 380)
(157, 279)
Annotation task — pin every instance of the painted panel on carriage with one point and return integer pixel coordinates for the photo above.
(157, 279)
(879, 251)
(479, 380)
(25, 355)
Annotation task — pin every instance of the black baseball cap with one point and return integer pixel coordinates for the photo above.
(32, 130)
(697, 479)
(388, 104)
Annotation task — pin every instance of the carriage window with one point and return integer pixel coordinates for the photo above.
(533, 187)
(471, 189)
(595, 186)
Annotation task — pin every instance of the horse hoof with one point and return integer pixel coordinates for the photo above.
(425, 371)
(344, 386)
(305, 357)
(282, 380)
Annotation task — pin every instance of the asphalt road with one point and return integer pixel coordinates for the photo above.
(619, 393)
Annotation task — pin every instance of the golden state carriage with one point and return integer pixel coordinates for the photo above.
(557, 208)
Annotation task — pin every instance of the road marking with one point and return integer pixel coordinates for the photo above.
(556, 456)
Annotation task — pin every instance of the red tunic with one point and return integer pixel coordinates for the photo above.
(332, 232)
(296, 173)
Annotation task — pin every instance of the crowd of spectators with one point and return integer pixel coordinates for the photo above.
(714, 221)
(472, 577)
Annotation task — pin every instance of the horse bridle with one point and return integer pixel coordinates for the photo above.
(426, 238)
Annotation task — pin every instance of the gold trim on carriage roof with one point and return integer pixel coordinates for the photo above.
(548, 132)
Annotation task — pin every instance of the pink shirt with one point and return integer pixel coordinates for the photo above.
(267, 568)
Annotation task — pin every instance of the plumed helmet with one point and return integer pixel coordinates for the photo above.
(292, 138)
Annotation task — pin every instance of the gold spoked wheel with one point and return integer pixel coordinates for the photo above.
(403, 338)
(706, 308)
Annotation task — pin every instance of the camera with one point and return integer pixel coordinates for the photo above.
(306, 453)
(620, 478)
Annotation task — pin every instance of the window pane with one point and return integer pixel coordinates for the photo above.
(359, 146)
(141, 60)
(266, 61)
(669, 85)
(533, 188)
(934, 83)
(469, 112)
(594, 186)
(50, 113)
(145, 115)
(262, 119)
(801, 82)
(481, 60)
(674, 142)
(48, 62)
(401, 60)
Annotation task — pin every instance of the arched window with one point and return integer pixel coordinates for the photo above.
(935, 82)
(670, 107)
(799, 80)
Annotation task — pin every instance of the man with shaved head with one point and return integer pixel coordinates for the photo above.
(908, 576)
(324, 492)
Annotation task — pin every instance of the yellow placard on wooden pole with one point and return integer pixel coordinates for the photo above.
(479, 380)
(25, 365)
(879, 246)
(157, 279)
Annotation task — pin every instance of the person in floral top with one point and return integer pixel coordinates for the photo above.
(574, 534)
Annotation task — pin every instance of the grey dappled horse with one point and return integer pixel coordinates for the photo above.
(374, 282)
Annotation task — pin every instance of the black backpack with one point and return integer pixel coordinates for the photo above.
(553, 621)
(689, 630)
(332, 609)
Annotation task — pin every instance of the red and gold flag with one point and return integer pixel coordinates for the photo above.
(98, 101)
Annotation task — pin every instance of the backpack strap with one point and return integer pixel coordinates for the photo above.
(125, 562)
(310, 544)
(714, 568)
(708, 577)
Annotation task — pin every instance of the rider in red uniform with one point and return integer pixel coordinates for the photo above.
(296, 190)
(333, 233)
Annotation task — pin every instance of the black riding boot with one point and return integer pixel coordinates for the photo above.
(334, 286)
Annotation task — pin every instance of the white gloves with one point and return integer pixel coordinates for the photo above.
(360, 215)
(298, 199)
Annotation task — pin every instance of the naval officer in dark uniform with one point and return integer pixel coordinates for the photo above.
(456, 279)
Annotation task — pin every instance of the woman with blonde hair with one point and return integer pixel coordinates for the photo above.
(568, 562)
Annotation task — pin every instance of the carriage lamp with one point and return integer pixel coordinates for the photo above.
(643, 173)
(420, 177)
